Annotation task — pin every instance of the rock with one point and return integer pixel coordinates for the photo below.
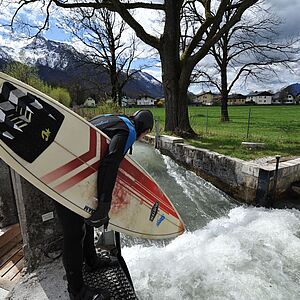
(252, 145)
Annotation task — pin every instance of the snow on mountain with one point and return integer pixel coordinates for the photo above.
(58, 62)
(43, 52)
(143, 76)
(4, 54)
(38, 51)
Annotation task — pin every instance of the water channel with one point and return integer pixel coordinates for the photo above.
(229, 251)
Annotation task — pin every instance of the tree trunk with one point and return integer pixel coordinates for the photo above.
(175, 89)
(224, 95)
(114, 95)
(113, 83)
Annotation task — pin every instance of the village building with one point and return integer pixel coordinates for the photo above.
(260, 98)
(207, 98)
(89, 102)
(288, 95)
(283, 98)
(128, 102)
(236, 99)
(160, 102)
(145, 101)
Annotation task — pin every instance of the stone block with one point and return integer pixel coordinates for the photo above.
(171, 139)
(252, 145)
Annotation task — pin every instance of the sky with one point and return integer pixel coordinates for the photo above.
(288, 11)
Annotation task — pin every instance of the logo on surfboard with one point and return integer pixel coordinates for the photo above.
(159, 221)
(154, 211)
(89, 209)
(27, 122)
(45, 134)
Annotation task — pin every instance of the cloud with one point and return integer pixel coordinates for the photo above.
(288, 11)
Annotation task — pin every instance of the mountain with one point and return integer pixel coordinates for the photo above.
(294, 89)
(145, 84)
(61, 64)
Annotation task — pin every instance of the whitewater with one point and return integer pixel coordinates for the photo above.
(230, 251)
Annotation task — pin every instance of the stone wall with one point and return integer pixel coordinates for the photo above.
(248, 182)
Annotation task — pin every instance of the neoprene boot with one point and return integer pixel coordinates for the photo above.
(86, 293)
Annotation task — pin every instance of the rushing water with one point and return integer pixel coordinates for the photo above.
(229, 251)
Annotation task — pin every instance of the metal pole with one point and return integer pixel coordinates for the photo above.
(248, 127)
(275, 177)
(156, 134)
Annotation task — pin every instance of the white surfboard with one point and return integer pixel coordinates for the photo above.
(59, 152)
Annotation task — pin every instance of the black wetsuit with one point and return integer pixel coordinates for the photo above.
(78, 236)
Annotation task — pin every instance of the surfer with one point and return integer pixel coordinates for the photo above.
(79, 232)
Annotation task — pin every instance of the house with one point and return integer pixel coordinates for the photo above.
(283, 97)
(145, 101)
(290, 99)
(259, 98)
(298, 99)
(160, 102)
(128, 102)
(89, 102)
(236, 99)
(207, 98)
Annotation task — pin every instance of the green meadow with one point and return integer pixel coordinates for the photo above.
(277, 126)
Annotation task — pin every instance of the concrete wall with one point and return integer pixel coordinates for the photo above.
(245, 181)
(8, 208)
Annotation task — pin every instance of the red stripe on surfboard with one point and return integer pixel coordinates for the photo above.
(140, 190)
(133, 191)
(147, 182)
(75, 163)
(84, 173)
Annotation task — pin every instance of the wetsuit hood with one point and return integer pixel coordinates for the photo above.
(143, 121)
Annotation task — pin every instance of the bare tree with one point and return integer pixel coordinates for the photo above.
(102, 32)
(177, 61)
(250, 49)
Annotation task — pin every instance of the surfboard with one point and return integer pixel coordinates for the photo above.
(59, 152)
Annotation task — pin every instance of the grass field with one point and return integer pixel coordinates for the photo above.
(277, 126)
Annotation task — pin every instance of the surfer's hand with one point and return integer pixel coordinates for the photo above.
(100, 216)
